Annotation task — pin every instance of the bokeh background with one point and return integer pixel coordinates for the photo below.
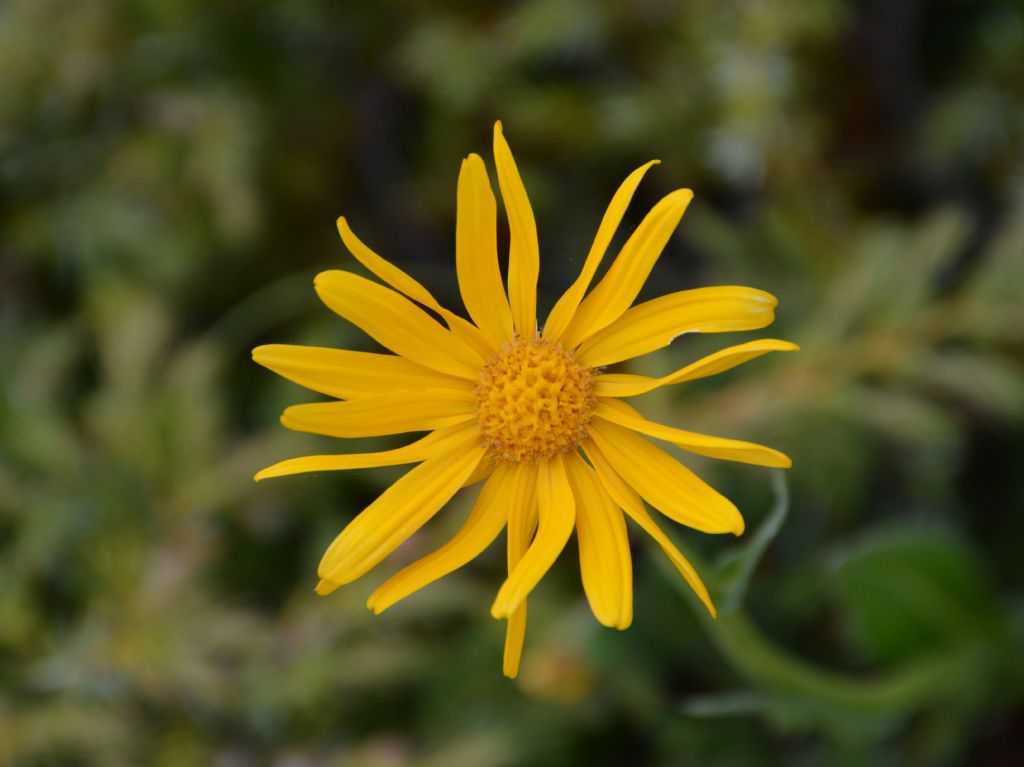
(170, 173)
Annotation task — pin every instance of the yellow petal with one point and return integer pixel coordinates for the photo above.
(384, 269)
(626, 385)
(522, 521)
(665, 483)
(393, 413)
(524, 252)
(485, 521)
(397, 513)
(605, 562)
(476, 253)
(481, 472)
(407, 286)
(654, 324)
(566, 306)
(515, 634)
(628, 499)
(619, 288)
(436, 442)
(347, 374)
(556, 518)
(622, 414)
(397, 323)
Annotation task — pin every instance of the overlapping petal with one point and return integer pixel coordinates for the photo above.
(665, 483)
(396, 323)
(405, 284)
(564, 309)
(347, 374)
(605, 562)
(617, 412)
(397, 513)
(655, 323)
(614, 294)
(630, 501)
(556, 511)
(476, 253)
(392, 413)
(432, 444)
(522, 521)
(524, 252)
(486, 520)
(627, 385)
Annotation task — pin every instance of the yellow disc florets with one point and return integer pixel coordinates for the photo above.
(534, 400)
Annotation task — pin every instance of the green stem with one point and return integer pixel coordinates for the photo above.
(772, 668)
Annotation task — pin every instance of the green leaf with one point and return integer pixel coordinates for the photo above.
(906, 592)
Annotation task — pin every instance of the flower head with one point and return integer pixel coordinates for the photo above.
(527, 412)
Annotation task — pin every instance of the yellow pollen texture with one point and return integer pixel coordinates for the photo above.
(534, 400)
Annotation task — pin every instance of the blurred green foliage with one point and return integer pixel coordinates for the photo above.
(169, 177)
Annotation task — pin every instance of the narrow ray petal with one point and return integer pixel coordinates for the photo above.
(665, 483)
(614, 294)
(409, 287)
(486, 468)
(515, 635)
(524, 252)
(522, 521)
(476, 253)
(398, 279)
(395, 322)
(628, 499)
(397, 513)
(394, 413)
(655, 323)
(626, 385)
(556, 518)
(566, 306)
(605, 562)
(434, 443)
(485, 522)
(620, 413)
(347, 374)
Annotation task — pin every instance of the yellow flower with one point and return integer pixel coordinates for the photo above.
(527, 410)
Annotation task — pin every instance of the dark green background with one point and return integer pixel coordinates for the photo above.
(170, 172)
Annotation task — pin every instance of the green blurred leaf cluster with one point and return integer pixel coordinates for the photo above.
(170, 173)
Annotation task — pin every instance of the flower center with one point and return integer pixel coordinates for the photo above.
(534, 400)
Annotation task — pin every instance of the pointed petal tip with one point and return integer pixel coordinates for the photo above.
(497, 127)
(325, 587)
